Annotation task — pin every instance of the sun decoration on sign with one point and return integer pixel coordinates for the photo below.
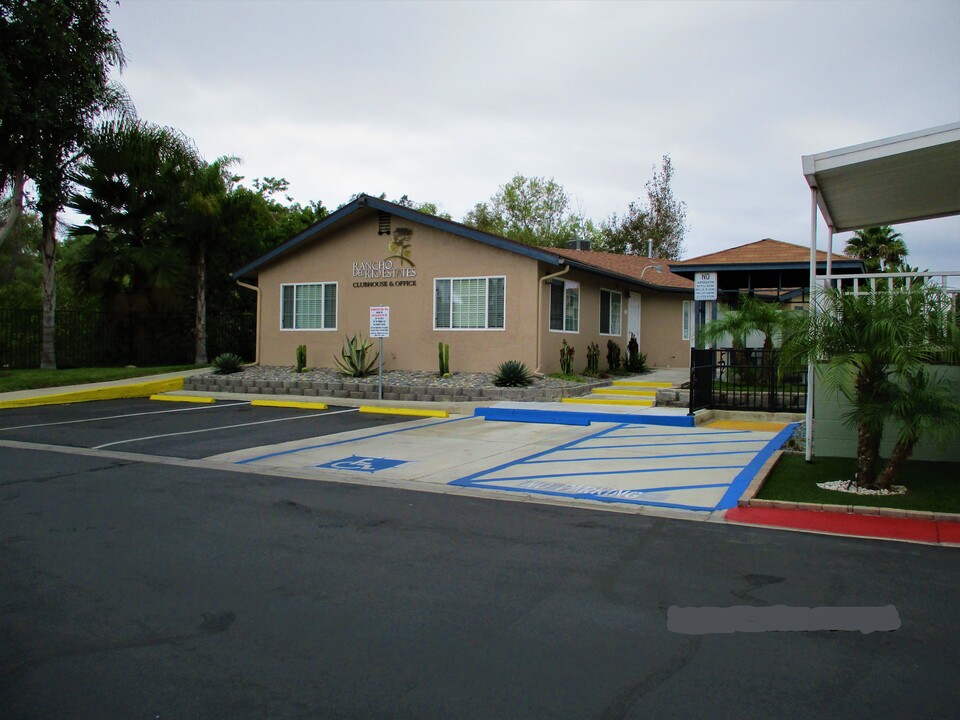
(400, 246)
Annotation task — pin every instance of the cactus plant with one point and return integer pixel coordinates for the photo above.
(512, 373)
(566, 358)
(613, 356)
(443, 353)
(227, 364)
(593, 360)
(301, 358)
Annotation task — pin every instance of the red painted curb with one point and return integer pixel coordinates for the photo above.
(873, 526)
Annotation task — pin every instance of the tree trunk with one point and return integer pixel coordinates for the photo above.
(200, 356)
(48, 251)
(868, 455)
(16, 207)
(898, 458)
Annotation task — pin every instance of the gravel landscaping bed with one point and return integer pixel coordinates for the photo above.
(397, 385)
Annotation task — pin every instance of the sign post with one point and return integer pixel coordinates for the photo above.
(380, 328)
(704, 289)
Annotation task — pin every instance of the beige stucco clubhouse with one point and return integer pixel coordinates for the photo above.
(491, 299)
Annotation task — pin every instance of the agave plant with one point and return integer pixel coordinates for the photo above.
(512, 373)
(227, 363)
(353, 361)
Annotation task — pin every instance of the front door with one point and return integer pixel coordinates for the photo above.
(633, 316)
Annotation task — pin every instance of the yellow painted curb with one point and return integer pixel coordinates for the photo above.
(641, 383)
(650, 393)
(746, 425)
(403, 411)
(182, 398)
(607, 401)
(300, 405)
(114, 392)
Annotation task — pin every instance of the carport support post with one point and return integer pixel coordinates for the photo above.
(808, 445)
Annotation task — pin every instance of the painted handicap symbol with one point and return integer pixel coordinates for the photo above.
(359, 463)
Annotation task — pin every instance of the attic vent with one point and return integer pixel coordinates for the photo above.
(384, 226)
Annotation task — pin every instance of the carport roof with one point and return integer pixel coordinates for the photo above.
(899, 179)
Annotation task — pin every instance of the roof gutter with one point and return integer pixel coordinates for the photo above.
(544, 279)
(256, 355)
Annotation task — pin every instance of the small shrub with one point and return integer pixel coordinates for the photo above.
(353, 360)
(613, 356)
(512, 373)
(566, 358)
(227, 364)
(636, 361)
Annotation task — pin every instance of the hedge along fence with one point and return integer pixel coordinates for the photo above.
(87, 338)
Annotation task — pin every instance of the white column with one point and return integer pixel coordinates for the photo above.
(808, 452)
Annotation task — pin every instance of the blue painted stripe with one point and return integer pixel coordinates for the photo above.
(740, 483)
(686, 434)
(601, 498)
(466, 480)
(350, 440)
(546, 417)
(641, 457)
(580, 418)
(638, 445)
(598, 473)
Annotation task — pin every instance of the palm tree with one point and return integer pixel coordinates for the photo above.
(882, 249)
(130, 182)
(921, 406)
(202, 227)
(863, 344)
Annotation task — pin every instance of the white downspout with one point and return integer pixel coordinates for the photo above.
(544, 279)
(256, 358)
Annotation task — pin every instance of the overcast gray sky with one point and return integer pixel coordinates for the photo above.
(446, 101)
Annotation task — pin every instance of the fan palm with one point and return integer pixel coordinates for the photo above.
(882, 249)
(863, 344)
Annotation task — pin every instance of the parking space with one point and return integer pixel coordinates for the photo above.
(702, 469)
(173, 429)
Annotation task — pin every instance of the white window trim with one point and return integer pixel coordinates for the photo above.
(486, 305)
(336, 315)
(610, 318)
(564, 330)
(686, 321)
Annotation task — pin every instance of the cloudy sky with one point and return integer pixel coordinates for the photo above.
(446, 101)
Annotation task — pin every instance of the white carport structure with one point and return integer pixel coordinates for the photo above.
(900, 179)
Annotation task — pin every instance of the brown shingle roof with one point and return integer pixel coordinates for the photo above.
(630, 266)
(761, 251)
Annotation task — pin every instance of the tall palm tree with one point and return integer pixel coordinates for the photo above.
(130, 183)
(202, 227)
(882, 249)
(863, 345)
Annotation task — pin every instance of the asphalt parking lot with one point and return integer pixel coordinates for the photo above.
(628, 464)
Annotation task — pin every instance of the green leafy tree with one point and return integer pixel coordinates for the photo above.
(662, 218)
(57, 59)
(131, 185)
(882, 249)
(530, 210)
(866, 347)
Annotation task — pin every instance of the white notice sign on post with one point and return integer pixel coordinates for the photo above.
(380, 322)
(705, 286)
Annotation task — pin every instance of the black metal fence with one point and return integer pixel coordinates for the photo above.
(727, 379)
(97, 339)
